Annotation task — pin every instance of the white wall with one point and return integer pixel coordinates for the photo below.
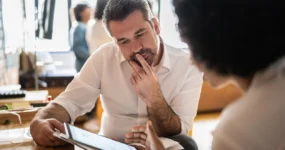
(168, 22)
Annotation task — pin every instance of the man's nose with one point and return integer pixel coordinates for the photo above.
(136, 46)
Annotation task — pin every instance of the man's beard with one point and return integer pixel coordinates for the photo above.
(142, 52)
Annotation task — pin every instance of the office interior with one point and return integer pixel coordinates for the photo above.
(35, 56)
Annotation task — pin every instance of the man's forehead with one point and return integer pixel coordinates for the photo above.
(132, 23)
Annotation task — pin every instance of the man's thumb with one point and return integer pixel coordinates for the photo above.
(57, 124)
(149, 128)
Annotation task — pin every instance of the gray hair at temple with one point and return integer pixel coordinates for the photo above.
(118, 10)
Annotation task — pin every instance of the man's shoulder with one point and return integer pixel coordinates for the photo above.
(178, 53)
(111, 46)
(109, 49)
(178, 56)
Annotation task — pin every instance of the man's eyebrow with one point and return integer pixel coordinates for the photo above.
(140, 30)
(137, 32)
(121, 39)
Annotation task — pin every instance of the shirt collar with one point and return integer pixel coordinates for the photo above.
(164, 62)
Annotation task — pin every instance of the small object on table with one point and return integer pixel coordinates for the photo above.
(49, 98)
(3, 107)
(33, 97)
(5, 94)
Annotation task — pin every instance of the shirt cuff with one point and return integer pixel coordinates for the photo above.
(69, 108)
(186, 127)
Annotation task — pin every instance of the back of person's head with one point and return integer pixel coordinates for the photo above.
(118, 10)
(78, 9)
(99, 10)
(238, 38)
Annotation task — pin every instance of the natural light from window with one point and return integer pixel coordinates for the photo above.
(168, 22)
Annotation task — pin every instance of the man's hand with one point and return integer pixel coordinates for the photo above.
(146, 136)
(42, 132)
(146, 85)
(145, 82)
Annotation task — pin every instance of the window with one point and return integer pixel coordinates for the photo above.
(60, 34)
(60, 27)
(168, 21)
(13, 20)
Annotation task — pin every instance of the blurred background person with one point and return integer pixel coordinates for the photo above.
(96, 34)
(82, 13)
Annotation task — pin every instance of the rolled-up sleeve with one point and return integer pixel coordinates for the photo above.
(185, 104)
(81, 94)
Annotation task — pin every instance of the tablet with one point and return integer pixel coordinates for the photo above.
(94, 140)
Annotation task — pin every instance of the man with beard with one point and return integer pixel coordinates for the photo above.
(139, 78)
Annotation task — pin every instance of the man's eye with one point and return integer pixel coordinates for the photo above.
(139, 35)
(124, 42)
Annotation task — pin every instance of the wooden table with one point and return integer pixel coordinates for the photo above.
(28, 145)
(33, 146)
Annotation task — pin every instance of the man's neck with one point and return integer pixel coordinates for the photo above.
(160, 53)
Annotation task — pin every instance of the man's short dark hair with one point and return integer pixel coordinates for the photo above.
(239, 37)
(78, 9)
(118, 10)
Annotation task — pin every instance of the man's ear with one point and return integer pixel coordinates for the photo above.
(156, 25)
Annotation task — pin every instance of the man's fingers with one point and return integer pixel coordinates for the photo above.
(135, 76)
(49, 133)
(133, 81)
(45, 141)
(138, 147)
(140, 71)
(56, 124)
(135, 140)
(135, 66)
(138, 140)
(138, 129)
(59, 142)
(54, 141)
(141, 135)
(149, 129)
(144, 64)
(129, 135)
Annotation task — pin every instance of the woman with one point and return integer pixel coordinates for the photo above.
(96, 34)
(79, 44)
(240, 42)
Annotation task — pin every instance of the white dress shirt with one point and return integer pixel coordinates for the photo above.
(96, 35)
(107, 72)
(257, 120)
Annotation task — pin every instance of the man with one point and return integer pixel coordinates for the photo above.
(139, 77)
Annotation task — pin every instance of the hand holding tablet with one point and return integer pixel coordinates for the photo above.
(87, 140)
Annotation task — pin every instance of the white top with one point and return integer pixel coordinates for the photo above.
(96, 35)
(257, 120)
(106, 72)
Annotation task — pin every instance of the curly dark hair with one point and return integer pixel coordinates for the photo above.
(240, 37)
(78, 9)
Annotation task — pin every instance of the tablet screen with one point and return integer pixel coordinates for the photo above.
(94, 140)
